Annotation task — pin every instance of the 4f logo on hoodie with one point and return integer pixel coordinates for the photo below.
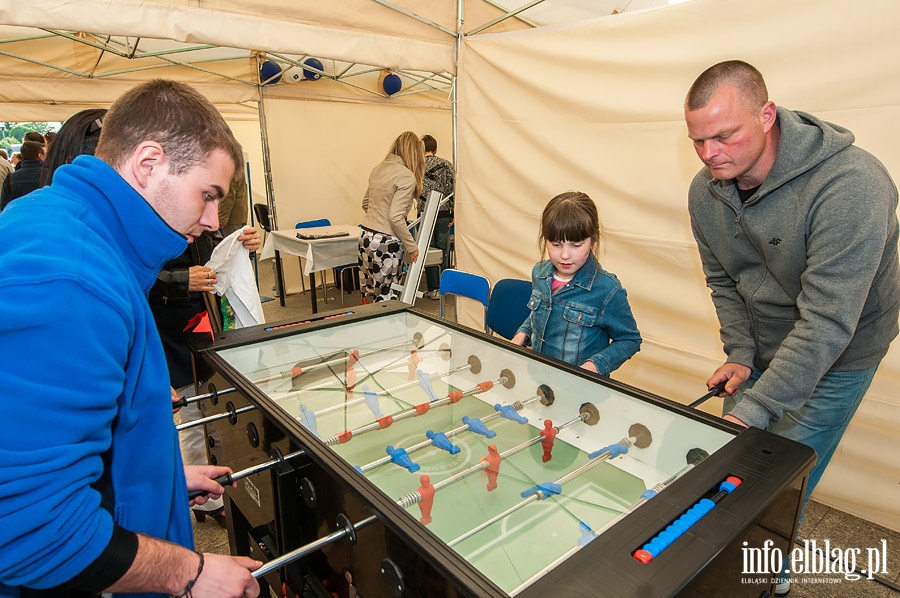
(774, 241)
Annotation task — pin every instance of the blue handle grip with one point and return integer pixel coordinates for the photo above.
(686, 521)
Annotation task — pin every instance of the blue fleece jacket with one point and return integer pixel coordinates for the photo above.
(85, 392)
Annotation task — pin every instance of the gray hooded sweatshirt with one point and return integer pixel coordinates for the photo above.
(804, 275)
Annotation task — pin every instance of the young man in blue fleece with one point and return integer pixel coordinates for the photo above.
(94, 494)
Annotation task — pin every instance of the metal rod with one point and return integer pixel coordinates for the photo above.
(213, 418)
(283, 375)
(517, 406)
(184, 401)
(229, 478)
(419, 347)
(330, 359)
(346, 357)
(565, 556)
(376, 425)
(414, 497)
(509, 14)
(415, 16)
(388, 391)
(539, 494)
(311, 547)
(511, 451)
(713, 392)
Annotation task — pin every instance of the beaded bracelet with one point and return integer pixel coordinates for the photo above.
(190, 585)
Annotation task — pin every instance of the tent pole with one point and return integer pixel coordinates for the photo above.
(267, 167)
(267, 163)
(460, 19)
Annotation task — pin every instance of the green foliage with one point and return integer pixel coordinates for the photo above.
(12, 133)
(15, 132)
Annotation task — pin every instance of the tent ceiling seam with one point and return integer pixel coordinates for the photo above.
(500, 19)
(497, 5)
(44, 64)
(96, 45)
(99, 58)
(416, 17)
(190, 66)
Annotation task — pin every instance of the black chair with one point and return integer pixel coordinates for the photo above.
(261, 214)
(261, 211)
(508, 306)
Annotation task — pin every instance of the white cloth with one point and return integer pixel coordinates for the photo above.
(235, 280)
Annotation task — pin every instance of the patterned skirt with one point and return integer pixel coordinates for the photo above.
(380, 265)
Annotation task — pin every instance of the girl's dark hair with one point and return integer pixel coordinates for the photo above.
(570, 216)
(78, 135)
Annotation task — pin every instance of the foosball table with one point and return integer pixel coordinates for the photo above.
(383, 452)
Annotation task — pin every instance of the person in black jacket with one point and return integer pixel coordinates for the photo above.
(27, 177)
(184, 289)
(440, 177)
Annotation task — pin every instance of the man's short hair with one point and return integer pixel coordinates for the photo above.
(31, 150)
(172, 114)
(430, 143)
(743, 76)
(34, 136)
(3, 154)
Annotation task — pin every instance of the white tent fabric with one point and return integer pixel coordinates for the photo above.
(269, 26)
(597, 107)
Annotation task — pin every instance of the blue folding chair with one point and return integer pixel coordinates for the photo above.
(508, 306)
(313, 224)
(465, 284)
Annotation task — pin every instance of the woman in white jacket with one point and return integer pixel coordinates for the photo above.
(393, 185)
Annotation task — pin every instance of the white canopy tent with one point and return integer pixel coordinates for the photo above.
(594, 105)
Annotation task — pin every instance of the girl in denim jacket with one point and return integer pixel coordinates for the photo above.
(579, 311)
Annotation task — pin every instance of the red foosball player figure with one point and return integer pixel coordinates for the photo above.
(493, 466)
(426, 491)
(412, 364)
(350, 377)
(549, 434)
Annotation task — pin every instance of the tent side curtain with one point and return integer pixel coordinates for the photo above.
(598, 107)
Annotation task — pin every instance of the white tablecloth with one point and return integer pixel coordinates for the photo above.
(322, 254)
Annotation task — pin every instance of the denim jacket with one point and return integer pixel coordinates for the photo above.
(588, 319)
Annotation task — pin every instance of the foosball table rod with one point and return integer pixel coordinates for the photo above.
(229, 478)
(693, 458)
(545, 396)
(346, 529)
(506, 378)
(639, 436)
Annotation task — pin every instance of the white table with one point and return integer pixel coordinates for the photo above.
(321, 254)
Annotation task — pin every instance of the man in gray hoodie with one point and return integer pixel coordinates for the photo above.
(797, 231)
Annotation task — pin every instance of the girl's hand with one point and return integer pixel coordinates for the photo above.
(589, 366)
(519, 339)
